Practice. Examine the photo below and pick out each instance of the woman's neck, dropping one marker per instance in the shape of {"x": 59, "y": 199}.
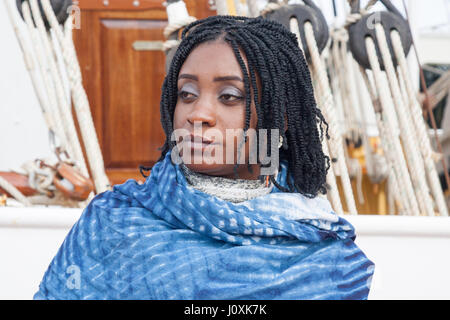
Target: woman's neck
{"x": 229, "y": 189}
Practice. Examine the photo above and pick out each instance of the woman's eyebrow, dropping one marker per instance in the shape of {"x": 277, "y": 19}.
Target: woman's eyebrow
{"x": 216, "y": 79}
{"x": 188, "y": 76}
{"x": 228, "y": 78}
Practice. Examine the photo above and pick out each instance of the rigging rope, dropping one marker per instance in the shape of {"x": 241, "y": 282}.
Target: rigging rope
{"x": 335, "y": 143}
{"x": 32, "y": 70}
{"x": 407, "y": 134}
{"x": 421, "y": 130}
{"x": 375, "y": 163}
{"x": 50, "y": 103}
{"x": 81, "y": 102}
{"x": 386, "y": 141}
{"x": 333, "y": 192}
{"x": 64, "y": 108}
{"x": 392, "y": 141}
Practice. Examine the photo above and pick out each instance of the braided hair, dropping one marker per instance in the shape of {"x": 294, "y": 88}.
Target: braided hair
{"x": 286, "y": 93}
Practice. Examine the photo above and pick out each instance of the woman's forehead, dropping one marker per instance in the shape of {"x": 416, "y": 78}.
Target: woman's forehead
{"x": 213, "y": 57}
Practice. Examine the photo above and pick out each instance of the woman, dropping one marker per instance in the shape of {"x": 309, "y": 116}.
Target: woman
{"x": 205, "y": 227}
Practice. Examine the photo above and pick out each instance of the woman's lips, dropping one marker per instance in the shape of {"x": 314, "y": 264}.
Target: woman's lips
{"x": 197, "y": 142}
{"x": 199, "y": 139}
{"x": 197, "y": 145}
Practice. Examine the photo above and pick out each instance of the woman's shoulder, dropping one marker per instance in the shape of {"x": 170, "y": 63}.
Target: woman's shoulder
{"x": 100, "y": 235}
{"x": 121, "y": 195}
{"x": 113, "y": 208}
{"x": 111, "y": 212}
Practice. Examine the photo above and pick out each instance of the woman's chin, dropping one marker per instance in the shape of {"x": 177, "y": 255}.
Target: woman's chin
{"x": 212, "y": 169}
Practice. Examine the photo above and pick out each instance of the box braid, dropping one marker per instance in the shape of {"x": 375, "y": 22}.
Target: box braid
{"x": 286, "y": 93}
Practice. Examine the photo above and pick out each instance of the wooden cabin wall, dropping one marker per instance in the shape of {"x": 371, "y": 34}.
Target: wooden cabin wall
{"x": 124, "y": 85}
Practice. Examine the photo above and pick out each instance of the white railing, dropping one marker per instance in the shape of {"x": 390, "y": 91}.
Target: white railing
{"x": 411, "y": 254}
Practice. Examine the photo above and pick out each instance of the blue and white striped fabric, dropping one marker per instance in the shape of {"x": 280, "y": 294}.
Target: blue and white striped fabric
{"x": 165, "y": 240}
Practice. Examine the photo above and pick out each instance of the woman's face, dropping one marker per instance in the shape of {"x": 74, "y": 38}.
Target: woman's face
{"x": 211, "y": 102}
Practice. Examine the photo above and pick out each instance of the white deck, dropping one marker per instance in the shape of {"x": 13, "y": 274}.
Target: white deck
{"x": 411, "y": 254}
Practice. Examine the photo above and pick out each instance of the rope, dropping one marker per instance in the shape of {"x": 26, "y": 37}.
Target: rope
{"x": 270, "y": 7}
{"x": 170, "y": 44}
{"x": 62, "y": 110}
{"x": 40, "y": 179}
{"x": 386, "y": 140}
{"x": 50, "y": 103}
{"x": 346, "y": 89}
{"x": 421, "y": 130}
{"x": 81, "y": 103}
{"x": 395, "y": 172}
{"x": 57, "y": 200}
{"x": 293, "y": 25}
{"x": 221, "y": 7}
{"x": 394, "y": 150}
{"x": 181, "y": 22}
{"x": 253, "y": 9}
{"x": 333, "y": 192}
{"x": 336, "y": 143}
{"x": 355, "y": 171}
{"x": 407, "y": 133}
{"x": 339, "y": 56}
{"x": 32, "y": 69}
{"x": 178, "y": 17}
{"x": 65, "y": 115}
{"x": 392, "y": 194}
{"x": 376, "y": 165}
{"x": 334, "y": 83}
{"x": 14, "y": 192}
{"x": 355, "y": 17}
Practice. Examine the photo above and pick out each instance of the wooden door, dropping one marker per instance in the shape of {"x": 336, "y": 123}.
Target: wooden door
{"x": 123, "y": 84}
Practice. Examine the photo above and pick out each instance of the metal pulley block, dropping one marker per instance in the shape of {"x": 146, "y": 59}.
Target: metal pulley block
{"x": 60, "y": 7}
{"x": 365, "y": 27}
{"x": 308, "y": 12}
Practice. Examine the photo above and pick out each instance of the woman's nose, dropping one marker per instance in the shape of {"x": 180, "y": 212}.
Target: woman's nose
{"x": 204, "y": 112}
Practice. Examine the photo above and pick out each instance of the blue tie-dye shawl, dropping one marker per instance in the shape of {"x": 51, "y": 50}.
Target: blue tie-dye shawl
{"x": 165, "y": 240}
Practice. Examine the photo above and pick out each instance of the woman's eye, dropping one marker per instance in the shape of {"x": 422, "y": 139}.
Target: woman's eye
{"x": 185, "y": 95}
{"x": 230, "y": 97}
